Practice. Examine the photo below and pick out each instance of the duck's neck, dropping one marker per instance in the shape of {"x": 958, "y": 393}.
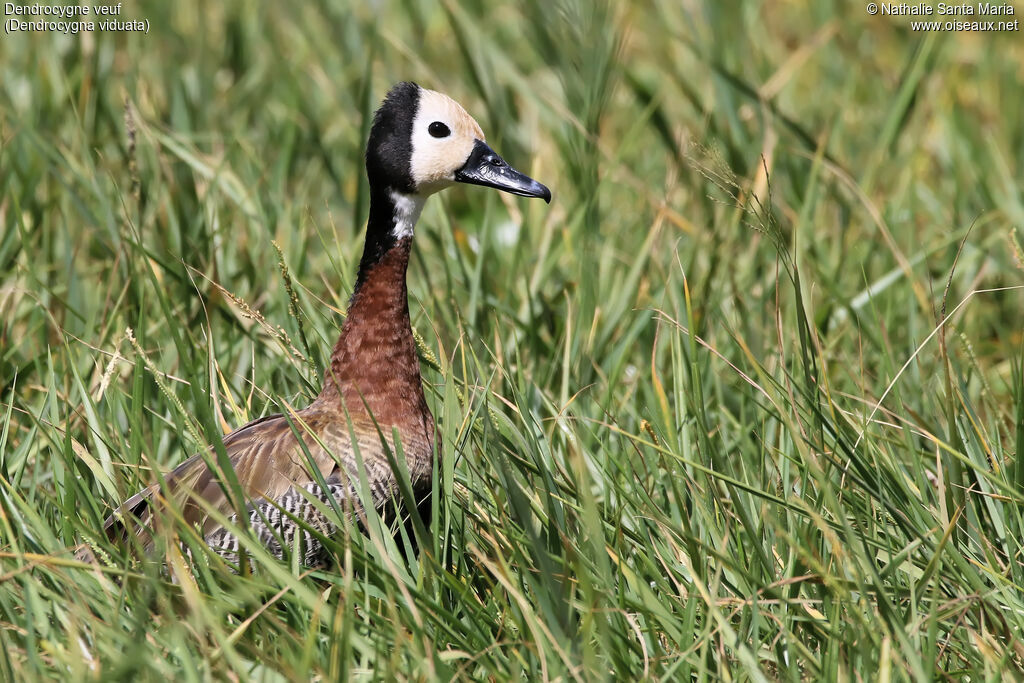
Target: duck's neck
{"x": 374, "y": 364}
{"x": 393, "y": 217}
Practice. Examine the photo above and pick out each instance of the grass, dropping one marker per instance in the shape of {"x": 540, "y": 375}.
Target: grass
{"x": 744, "y": 402}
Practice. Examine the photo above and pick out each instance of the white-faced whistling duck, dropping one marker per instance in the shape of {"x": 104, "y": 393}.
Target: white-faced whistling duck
{"x": 421, "y": 141}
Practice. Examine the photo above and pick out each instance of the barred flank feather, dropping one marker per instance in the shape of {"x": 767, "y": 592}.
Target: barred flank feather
{"x": 275, "y": 523}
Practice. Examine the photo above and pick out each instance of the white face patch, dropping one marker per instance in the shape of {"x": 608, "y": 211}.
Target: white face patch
{"x": 436, "y": 159}
{"x": 407, "y": 212}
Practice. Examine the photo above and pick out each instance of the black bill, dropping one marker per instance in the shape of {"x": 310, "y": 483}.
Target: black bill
{"x": 485, "y": 167}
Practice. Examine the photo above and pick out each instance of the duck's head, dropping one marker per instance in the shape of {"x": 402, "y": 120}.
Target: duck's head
{"x": 423, "y": 141}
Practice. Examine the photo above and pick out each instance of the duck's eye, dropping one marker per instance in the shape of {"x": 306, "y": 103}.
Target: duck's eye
{"x": 438, "y": 130}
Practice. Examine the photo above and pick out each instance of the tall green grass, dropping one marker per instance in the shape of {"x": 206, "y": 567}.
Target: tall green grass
{"x": 744, "y": 402}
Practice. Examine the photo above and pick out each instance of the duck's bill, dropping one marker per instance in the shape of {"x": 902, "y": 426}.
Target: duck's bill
{"x": 485, "y": 167}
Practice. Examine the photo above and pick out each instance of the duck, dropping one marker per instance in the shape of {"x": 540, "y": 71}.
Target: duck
{"x": 420, "y": 142}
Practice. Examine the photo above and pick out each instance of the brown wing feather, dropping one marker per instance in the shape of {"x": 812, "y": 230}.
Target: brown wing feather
{"x": 267, "y": 459}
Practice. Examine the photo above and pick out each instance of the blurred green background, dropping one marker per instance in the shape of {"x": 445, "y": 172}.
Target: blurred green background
{"x": 743, "y": 402}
